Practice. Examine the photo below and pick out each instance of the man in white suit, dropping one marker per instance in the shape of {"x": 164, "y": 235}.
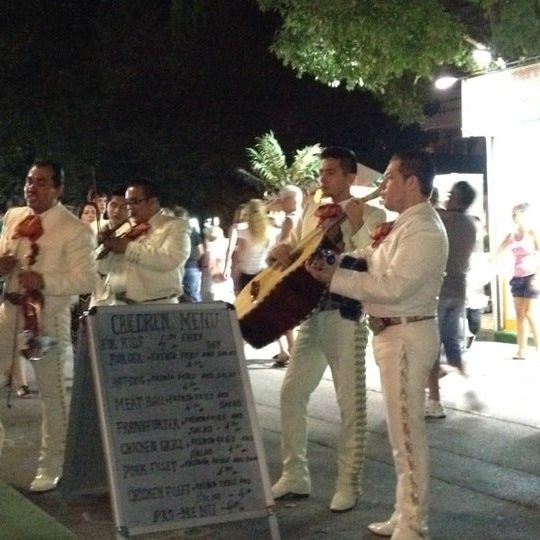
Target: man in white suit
{"x": 46, "y": 253}
{"x": 326, "y": 339}
{"x": 144, "y": 265}
{"x": 399, "y": 290}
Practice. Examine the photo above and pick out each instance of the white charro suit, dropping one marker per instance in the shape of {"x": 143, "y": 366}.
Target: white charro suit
{"x": 403, "y": 279}
{"x": 151, "y": 269}
{"x": 67, "y": 264}
{"x": 326, "y": 339}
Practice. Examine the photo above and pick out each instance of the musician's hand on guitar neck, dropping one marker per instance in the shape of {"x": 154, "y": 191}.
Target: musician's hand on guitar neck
{"x": 355, "y": 213}
{"x": 320, "y": 269}
{"x": 280, "y": 254}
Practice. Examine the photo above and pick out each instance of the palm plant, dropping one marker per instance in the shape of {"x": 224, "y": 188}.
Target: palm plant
{"x": 269, "y": 162}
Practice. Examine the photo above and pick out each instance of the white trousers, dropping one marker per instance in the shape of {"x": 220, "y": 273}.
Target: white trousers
{"x": 405, "y": 354}
{"x": 326, "y": 339}
{"x": 49, "y": 376}
{"x": 2, "y": 437}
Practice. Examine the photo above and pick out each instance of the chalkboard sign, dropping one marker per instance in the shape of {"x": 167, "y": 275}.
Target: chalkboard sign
{"x": 179, "y": 428}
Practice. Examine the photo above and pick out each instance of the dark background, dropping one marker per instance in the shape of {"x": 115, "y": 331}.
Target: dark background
{"x": 121, "y": 89}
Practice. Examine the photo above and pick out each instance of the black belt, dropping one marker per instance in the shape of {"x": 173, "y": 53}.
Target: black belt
{"x": 378, "y": 324}
{"x": 121, "y": 297}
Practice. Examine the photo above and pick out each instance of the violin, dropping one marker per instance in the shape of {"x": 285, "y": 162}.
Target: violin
{"x": 108, "y": 232}
{"x": 31, "y": 301}
{"x": 132, "y": 234}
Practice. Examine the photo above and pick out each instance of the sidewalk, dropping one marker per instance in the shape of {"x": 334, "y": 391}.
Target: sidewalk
{"x": 485, "y": 459}
{"x": 496, "y": 385}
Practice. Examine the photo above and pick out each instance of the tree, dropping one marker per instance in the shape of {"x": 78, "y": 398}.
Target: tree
{"x": 394, "y": 48}
{"x": 269, "y": 162}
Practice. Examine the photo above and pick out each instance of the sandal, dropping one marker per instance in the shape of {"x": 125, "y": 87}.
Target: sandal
{"x": 280, "y": 360}
{"x": 23, "y": 391}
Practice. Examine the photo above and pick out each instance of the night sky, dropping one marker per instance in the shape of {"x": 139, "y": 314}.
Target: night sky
{"x": 115, "y": 87}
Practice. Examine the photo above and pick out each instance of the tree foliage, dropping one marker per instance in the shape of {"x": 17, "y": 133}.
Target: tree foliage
{"x": 389, "y": 46}
{"x": 269, "y": 162}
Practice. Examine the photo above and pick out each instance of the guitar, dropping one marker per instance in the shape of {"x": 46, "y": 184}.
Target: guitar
{"x": 279, "y": 298}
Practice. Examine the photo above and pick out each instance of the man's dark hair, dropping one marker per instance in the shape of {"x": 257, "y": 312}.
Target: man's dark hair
{"x": 346, "y": 157}
{"x": 466, "y": 193}
{"x": 150, "y": 189}
{"x": 58, "y": 172}
{"x": 419, "y": 164}
{"x": 117, "y": 192}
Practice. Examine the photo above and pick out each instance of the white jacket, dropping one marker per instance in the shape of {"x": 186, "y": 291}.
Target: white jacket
{"x": 152, "y": 265}
{"x": 405, "y": 271}
{"x": 66, "y": 255}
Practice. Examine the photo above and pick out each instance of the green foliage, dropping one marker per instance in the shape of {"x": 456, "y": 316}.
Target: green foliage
{"x": 366, "y": 44}
{"x": 390, "y": 44}
{"x": 515, "y": 27}
{"x": 269, "y": 162}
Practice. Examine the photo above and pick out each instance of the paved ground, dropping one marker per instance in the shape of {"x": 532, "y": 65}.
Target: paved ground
{"x": 485, "y": 458}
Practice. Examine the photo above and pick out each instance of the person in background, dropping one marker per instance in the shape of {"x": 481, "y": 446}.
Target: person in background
{"x": 230, "y": 267}
{"x": 193, "y": 268}
{"x": 290, "y": 203}
{"x": 435, "y": 199}
{"x": 146, "y": 265}
{"x": 87, "y": 213}
{"x": 215, "y": 286}
{"x": 398, "y": 279}
{"x": 98, "y": 199}
{"x": 461, "y": 231}
{"x": 254, "y": 242}
{"x": 477, "y": 301}
{"x": 326, "y": 339}
{"x": 46, "y": 256}
{"x": 117, "y": 225}
{"x": 524, "y": 244}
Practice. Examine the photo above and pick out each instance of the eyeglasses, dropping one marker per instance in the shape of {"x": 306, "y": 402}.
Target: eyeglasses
{"x": 135, "y": 202}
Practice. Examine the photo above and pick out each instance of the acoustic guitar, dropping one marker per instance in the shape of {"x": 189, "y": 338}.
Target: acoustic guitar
{"x": 279, "y": 298}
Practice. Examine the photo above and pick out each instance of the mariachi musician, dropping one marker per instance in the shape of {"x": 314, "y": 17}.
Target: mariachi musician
{"x": 327, "y": 339}
{"x": 144, "y": 265}
{"x": 116, "y": 224}
{"x": 404, "y": 269}
{"x": 47, "y": 257}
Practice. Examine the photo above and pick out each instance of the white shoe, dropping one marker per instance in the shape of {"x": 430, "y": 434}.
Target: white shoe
{"x": 44, "y": 481}
{"x": 434, "y": 409}
{"x": 344, "y": 499}
{"x": 383, "y": 528}
{"x": 287, "y": 488}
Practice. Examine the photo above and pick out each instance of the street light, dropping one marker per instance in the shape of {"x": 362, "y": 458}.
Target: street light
{"x": 445, "y": 82}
